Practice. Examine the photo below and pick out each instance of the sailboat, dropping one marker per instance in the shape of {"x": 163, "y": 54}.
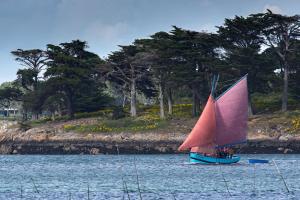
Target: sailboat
{"x": 222, "y": 124}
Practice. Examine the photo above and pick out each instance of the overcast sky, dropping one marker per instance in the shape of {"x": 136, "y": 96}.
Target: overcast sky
{"x": 104, "y": 24}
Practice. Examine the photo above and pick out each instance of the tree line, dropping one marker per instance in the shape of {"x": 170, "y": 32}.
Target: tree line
{"x": 67, "y": 78}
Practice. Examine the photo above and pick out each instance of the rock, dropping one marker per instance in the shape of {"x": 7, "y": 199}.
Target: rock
{"x": 290, "y": 136}
{"x": 89, "y": 136}
{"x": 5, "y": 149}
{"x": 259, "y": 131}
{"x": 280, "y": 149}
{"x": 287, "y": 151}
{"x": 94, "y": 151}
{"x": 2, "y": 138}
{"x": 283, "y": 138}
{"x": 161, "y": 149}
{"x": 15, "y": 151}
{"x": 67, "y": 148}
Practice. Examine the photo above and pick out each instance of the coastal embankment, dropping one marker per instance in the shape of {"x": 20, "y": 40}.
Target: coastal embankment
{"x": 267, "y": 134}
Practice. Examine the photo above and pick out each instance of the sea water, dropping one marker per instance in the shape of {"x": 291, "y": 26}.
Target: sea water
{"x": 145, "y": 177}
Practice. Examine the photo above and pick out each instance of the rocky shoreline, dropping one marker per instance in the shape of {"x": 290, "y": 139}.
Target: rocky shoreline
{"x": 129, "y": 147}
{"x": 52, "y": 139}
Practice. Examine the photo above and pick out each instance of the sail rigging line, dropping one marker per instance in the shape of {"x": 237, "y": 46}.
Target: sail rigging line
{"x": 214, "y": 85}
{"x": 231, "y": 87}
{"x": 282, "y": 178}
{"x": 230, "y": 83}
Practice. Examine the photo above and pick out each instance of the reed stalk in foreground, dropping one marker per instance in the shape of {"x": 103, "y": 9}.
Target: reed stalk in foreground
{"x": 125, "y": 188}
{"x": 254, "y": 178}
{"x": 21, "y": 190}
{"x": 225, "y": 181}
{"x": 278, "y": 171}
{"x": 88, "y": 192}
{"x": 137, "y": 179}
{"x": 35, "y": 188}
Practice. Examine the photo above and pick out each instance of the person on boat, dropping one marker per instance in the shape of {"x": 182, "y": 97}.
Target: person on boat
{"x": 226, "y": 152}
{"x": 230, "y": 152}
{"x": 220, "y": 153}
{"x": 206, "y": 151}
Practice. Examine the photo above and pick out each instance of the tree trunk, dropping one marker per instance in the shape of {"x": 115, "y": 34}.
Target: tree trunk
{"x": 52, "y": 116}
{"x": 196, "y": 105}
{"x": 35, "y": 116}
{"x": 285, "y": 88}
{"x": 170, "y": 103}
{"x": 59, "y": 110}
{"x": 124, "y": 101}
{"x": 161, "y": 101}
{"x": 70, "y": 109}
{"x": 133, "y": 98}
{"x": 24, "y": 115}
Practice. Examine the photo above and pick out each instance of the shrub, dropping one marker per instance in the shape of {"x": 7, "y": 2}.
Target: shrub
{"x": 118, "y": 112}
{"x": 296, "y": 124}
{"x": 24, "y": 126}
{"x": 266, "y": 102}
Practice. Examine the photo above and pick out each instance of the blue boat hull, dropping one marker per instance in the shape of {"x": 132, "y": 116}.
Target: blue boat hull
{"x": 201, "y": 159}
{"x": 254, "y": 161}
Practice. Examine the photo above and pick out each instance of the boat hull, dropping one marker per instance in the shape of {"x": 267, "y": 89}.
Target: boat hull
{"x": 201, "y": 159}
{"x": 254, "y": 161}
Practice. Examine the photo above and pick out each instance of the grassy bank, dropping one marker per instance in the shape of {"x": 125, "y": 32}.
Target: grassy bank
{"x": 271, "y": 124}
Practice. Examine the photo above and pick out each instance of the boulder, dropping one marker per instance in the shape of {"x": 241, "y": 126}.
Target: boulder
{"x": 280, "y": 149}
{"x": 94, "y": 151}
{"x": 287, "y": 151}
{"x": 283, "y": 138}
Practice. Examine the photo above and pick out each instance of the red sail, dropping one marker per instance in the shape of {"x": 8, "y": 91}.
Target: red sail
{"x": 232, "y": 114}
{"x": 203, "y": 134}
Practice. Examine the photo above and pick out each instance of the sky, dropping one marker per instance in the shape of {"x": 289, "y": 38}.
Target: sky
{"x": 105, "y": 24}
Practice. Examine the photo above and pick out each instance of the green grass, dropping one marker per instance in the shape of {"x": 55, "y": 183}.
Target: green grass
{"x": 143, "y": 123}
{"x": 270, "y": 103}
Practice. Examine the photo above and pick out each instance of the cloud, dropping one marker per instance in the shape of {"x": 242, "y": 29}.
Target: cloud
{"x": 275, "y": 9}
{"x": 108, "y": 32}
{"x": 104, "y": 38}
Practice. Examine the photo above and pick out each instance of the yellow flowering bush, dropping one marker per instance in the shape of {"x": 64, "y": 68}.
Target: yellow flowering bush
{"x": 142, "y": 123}
{"x": 149, "y": 118}
{"x": 182, "y": 110}
{"x": 296, "y": 124}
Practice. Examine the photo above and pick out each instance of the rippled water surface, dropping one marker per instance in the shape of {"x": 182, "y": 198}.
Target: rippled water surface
{"x": 159, "y": 177}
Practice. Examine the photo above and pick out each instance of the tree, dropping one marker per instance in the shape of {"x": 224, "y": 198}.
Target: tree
{"x": 242, "y": 42}
{"x": 72, "y": 72}
{"x": 294, "y": 75}
{"x": 129, "y": 68}
{"x": 34, "y": 61}
{"x": 279, "y": 32}
{"x": 195, "y": 58}
{"x": 159, "y": 48}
